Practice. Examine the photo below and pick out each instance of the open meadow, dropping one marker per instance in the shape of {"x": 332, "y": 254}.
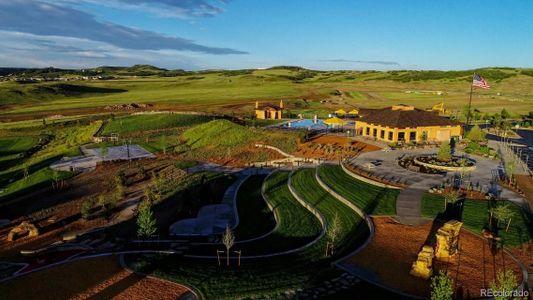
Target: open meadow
{"x": 305, "y": 91}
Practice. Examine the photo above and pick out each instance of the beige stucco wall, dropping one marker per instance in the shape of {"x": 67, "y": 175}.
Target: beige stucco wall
{"x": 431, "y": 131}
{"x": 262, "y": 114}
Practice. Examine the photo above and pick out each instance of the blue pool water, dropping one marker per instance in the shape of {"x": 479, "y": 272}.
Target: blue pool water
{"x": 306, "y": 123}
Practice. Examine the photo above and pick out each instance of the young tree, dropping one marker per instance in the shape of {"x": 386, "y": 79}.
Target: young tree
{"x": 506, "y": 282}
{"x": 445, "y": 152}
{"x": 149, "y": 195}
{"x": 476, "y": 134}
{"x": 86, "y": 207}
{"x": 502, "y": 213}
{"x": 451, "y": 197}
{"x": 505, "y": 114}
{"x": 101, "y": 201}
{"x": 141, "y": 172}
{"x": 228, "y": 239}
{"x": 103, "y": 150}
{"x": 441, "y": 287}
{"x": 466, "y": 111}
{"x": 510, "y": 166}
{"x": 145, "y": 220}
{"x": 333, "y": 233}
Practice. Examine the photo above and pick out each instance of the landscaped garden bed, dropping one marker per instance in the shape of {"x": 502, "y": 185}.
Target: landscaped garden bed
{"x": 409, "y": 163}
{"x": 395, "y": 246}
{"x": 476, "y": 216}
{"x": 283, "y": 276}
{"x": 455, "y": 164}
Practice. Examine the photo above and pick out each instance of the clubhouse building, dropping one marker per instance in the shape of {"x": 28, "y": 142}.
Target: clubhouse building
{"x": 268, "y": 111}
{"x": 402, "y": 123}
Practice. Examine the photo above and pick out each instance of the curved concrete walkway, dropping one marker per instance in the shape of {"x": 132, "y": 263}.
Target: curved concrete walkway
{"x": 409, "y": 201}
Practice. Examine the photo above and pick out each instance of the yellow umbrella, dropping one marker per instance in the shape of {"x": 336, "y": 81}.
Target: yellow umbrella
{"x": 335, "y": 121}
{"x": 353, "y": 112}
{"x": 340, "y": 112}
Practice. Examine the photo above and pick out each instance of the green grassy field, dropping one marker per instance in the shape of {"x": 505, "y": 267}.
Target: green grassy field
{"x": 354, "y": 229}
{"x": 138, "y": 123}
{"x": 296, "y": 225}
{"x": 475, "y": 215}
{"x": 371, "y": 199}
{"x": 227, "y": 92}
{"x": 11, "y": 147}
{"x": 255, "y": 218}
{"x": 65, "y": 142}
{"x": 224, "y": 139}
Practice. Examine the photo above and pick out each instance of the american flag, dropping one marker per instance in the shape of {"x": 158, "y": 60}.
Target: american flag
{"x": 480, "y": 82}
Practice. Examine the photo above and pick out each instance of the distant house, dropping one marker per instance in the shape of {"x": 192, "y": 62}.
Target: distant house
{"x": 402, "y": 123}
{"x": 268, "y": 111}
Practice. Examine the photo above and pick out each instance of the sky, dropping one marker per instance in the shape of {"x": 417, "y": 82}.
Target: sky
{"x": 238, "y": 34}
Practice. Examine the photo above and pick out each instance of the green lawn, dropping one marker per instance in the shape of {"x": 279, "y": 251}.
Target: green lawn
{"x": 296, "y": 225}
{"x": 16, "y": 144}
{"x": 475, "y": 215}
{"x": 12, "y": 146}
{"x": 353, "y": 228}
{"x": 255, "y": 218}
{"x": 372, "y": 199}
{"x": 269, "y": 277}
{"x": 66, "y": 142}
{"x": 138, "y": 123}
{"x": 224, "y": 139}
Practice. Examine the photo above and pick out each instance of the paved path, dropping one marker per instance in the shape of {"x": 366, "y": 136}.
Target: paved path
{"x": 409, "y": 200}
{"x": 408, "y": 206}
{"x": 213, "y": 219}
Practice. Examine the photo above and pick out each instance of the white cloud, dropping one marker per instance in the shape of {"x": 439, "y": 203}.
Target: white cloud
{"x": 47, "y": 19}
{"x": 28, "y": 50}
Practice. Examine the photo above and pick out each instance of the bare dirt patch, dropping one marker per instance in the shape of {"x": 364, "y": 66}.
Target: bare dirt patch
{"x": 97, "y": 278}
{"x": 395, "y": 247}
{"x": 56, "y": 213}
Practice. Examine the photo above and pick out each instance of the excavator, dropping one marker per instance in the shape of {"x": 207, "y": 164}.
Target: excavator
{"x": 438, "y": 108}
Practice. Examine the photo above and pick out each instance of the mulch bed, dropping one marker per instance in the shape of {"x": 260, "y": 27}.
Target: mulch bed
{"x": 97, "y": 278}
{"x": 395, "y": 247}
{"x": 332, "y": 147}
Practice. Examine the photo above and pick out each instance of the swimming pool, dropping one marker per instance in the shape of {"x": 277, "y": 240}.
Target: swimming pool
{"x": 306, "y": 123}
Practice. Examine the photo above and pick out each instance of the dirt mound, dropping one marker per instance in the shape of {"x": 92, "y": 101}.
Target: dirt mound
{"x": 132, "y": 106}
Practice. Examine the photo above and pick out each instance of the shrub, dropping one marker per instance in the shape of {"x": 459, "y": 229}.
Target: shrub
{"x": 445, "y": 153}
{"x": 86, "y": 207}
{"x": 441, "y": 287}
{"x": 476, "y": 134}
{"x": 506, "y": 282}
{"x": 145, "y": 220}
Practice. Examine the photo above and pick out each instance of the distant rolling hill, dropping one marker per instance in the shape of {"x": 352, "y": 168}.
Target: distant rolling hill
{"x": 235, "y": 91}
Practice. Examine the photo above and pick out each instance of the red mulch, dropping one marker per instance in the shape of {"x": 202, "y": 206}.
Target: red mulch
{"x": 395, "y": 247}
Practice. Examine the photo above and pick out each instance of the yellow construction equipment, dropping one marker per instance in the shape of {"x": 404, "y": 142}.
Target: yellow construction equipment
{"x": 438, "y": 108}
{"x": 423, "y": 266}
{"x": 448, "y": 240}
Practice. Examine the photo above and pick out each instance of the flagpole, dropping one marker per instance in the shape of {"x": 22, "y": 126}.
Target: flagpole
{"x": 470, "y": 101}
